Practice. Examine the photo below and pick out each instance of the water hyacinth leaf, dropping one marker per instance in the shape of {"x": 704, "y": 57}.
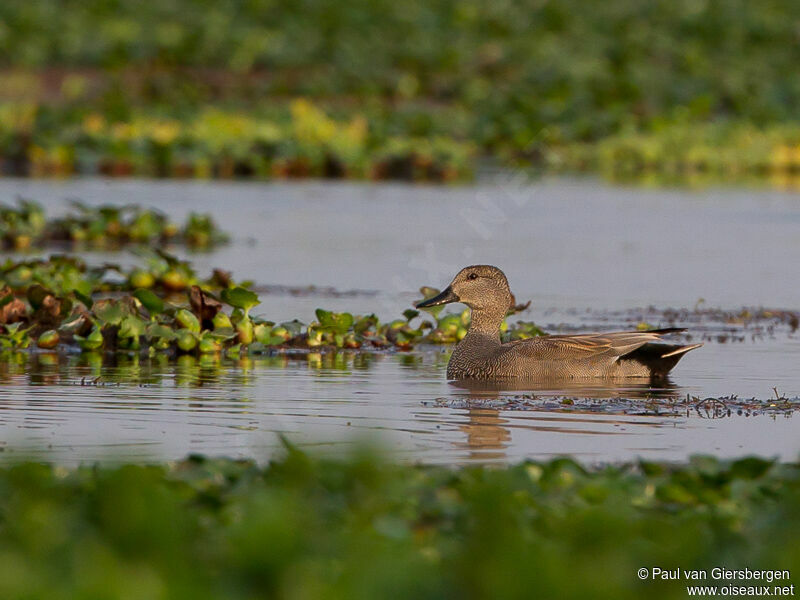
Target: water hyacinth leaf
{"x": 154, "y": 331}
{"x": 365, "y": 323}
{"x": 263, "y": 334}
{"x": 15, "y": 336}
{"x": 294, "y": 327}
{"x": 245, "y": 330}
{"x": 150, "y": 301}
{"x": 85, "y": 299}
{"x": 281, "y": 332}
{"x": 209, "y": 344}
{"x": 187, "y": 340}
{"x": 170, "y": 259}
{"x": 93, "y": 341}
{"x": 410, "y": 313}
{"x": 75, "y": 325}
{"x": 429, "y": 292}
{"x": 131, "y": 326}
{"x": 334, "y": 322}
{"x": 36, "y": 295}
{"x": 221, "y": 321}
{"x": 238, "y": 297}
{"x": 188, "y": 320}
{"x": 139, "y": 278}
{"x": 220, "y": 336}
{"x": 751, "y": 467}
{"x": 48, "y": 339}
{"x": 83, "y": 285}
{"x": 109, "y": 312}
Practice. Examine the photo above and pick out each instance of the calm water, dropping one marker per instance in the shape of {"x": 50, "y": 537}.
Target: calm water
{"x": 584, "y": 253}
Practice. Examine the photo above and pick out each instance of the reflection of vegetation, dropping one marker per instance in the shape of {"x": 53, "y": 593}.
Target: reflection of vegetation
{"x": 55, "y": 302}
{"x": 105, "y": 226}
{"x": 358, "y": 527}
{"x": 101, "y": 369}
{"x": 180, "y": 87}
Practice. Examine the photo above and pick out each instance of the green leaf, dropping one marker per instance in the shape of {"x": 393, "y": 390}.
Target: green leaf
{"x": 91, "y": 342}
{"x": 86, "y": 299}
{"x": 37, "y": 294}
{"x": 410, "y": 313}
{"x": 188, "y": 320}
{"x": 334, "y": 322}
{"x": 156, "y": 331}
{"x": 429, "y": 292}
{"x": 751, "y": 467}
{"x": 131, "y": 326}
{"x": 110, "y": 312}
{"x": 294, "y": 327}
{"x": 150, "y": 301}
{"x": 365, "y": 323}
{"x": 239, "y": 297}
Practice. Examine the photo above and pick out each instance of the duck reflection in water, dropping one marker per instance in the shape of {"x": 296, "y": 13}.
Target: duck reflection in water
{"x": 488, "y": 432}
{"x": 487, "y": 438}
{"x": 491, "y": 391}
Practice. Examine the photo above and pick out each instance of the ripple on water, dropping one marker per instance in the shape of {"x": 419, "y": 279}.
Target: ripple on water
{"x": 69, "y": 410}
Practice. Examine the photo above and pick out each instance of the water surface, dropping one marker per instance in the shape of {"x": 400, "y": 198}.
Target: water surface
{"x": 584, "y": 253}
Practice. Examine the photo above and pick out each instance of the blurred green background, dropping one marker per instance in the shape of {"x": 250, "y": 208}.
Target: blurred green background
{"x": 307, "y": 527}
{"x": 412, "y": 90}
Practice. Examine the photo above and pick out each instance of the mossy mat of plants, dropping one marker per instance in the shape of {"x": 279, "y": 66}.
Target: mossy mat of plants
{"x": 365, "y": 527}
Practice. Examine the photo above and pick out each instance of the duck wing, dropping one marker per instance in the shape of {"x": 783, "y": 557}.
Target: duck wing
{"x": 587, "y": 346}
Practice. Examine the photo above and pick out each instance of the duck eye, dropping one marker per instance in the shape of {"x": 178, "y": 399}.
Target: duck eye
{"x": 472, "y": 276}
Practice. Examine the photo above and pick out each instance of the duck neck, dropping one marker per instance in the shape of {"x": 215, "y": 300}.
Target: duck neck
{"x": 486, "y": 324}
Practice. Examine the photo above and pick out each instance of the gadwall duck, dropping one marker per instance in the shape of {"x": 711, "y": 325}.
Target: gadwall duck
{"x": 481, "y": 354}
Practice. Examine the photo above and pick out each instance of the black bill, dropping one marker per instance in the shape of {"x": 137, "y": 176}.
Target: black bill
{"x": 447, "y": 296}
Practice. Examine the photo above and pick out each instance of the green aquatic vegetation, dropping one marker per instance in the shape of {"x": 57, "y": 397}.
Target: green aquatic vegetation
{"x": 92, "y": 341}
{"x": 15, "y": 337}
{"x": 48, "y": 339}
{"x": 63, "y": 302}
{"x": 107, "y": 226}
{"x": 242, "y": 300}
{"x": 361, "y": 524}
{"x": 692, "y": 151}
{"x": 186, "y": 89}
{"x": 153, "y": 303}
{"x": 300, "y": 141}
{"x": 20, "y": 226}
{"x": 64, "y": 275}
{"x": 523, "y": 330}
{"x": 59, "y": 273}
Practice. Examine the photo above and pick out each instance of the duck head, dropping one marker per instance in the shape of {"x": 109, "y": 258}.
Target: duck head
{"x": 481, "y": 287}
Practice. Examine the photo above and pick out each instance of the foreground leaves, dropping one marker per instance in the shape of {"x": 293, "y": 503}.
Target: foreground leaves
{"x": 363, "y": 527}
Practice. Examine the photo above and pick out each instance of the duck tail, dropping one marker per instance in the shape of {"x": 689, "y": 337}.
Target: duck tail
{"x": 659, "y": 359}
{"x": 680, "y": 350}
